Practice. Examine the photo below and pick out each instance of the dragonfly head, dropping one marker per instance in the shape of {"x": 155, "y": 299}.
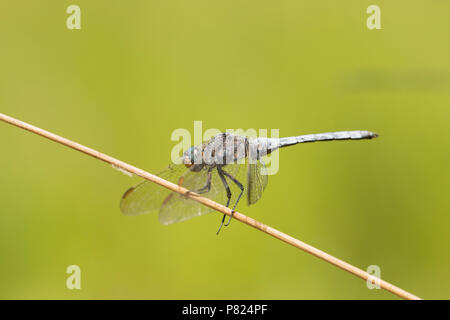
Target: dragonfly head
{"x": 192, "y": 158}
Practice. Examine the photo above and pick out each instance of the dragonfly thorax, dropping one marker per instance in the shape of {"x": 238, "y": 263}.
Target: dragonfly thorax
{"x": 221, "y": 150}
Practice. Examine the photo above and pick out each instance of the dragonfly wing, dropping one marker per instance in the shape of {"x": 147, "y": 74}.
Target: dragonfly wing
{"x": 147, "y": 197}
{"x": 177, "y": 207}
{"x": 256, "y": 181}
{"x": 253, "y": 176}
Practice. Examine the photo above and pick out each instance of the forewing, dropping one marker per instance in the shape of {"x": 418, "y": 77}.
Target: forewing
{"x": 177, "y": 207}
{"x": 147, "y": 196}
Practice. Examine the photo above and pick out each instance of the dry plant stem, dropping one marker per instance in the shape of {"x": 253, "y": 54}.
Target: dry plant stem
{"x": 214, "y": 205}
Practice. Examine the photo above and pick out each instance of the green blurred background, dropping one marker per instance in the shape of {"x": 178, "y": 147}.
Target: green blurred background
{"x": 137, "y": 70}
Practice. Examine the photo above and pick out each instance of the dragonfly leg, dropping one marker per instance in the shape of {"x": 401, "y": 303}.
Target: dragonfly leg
{"x": 227, "y": 188}
{"x": 238, "y": 198}
{"x": 207, "y": 187}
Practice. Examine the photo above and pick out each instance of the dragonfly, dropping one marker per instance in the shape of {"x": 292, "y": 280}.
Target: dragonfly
{"x": 226, "y": 169}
